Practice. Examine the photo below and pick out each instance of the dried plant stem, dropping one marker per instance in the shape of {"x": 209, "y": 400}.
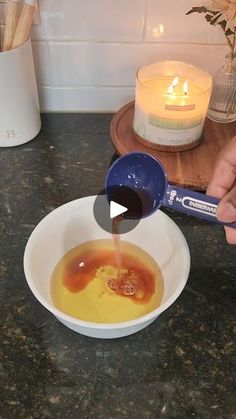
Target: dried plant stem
{"x": 233, "y": 46}
{"x": 228, "y": 41}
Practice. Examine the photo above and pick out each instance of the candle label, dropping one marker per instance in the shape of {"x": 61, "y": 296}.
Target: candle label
{"x": 180, "y": 108}
{"x": 175, "y": 124}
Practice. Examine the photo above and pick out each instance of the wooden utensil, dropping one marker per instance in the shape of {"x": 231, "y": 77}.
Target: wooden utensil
{"x": 0, "y": 27}
{"x": 25, "y": 22}
{"x": 0, "y": 32}
{"x": 11, "y": 23}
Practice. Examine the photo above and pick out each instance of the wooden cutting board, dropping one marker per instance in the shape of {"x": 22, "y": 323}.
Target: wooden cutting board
{"x": 192, "y": 168}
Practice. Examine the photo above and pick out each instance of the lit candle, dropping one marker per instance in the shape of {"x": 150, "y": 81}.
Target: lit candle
{"x": 171, "y": 103}
{"x": 185, "y": 88}
{"x": 175, "y": 81}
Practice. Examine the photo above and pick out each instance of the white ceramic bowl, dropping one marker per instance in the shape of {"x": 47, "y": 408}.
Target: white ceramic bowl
{"x": 74, "y": 223}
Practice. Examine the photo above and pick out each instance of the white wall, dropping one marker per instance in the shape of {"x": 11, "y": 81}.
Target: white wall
{"x": 88, "y": 51}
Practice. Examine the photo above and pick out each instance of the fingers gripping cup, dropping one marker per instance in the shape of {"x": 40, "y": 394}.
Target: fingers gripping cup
{"x": 146, "y": 176}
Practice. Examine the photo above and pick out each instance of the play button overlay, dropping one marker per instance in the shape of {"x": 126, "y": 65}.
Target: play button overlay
{"x": 116, "y": 209}
{"x": 119, "y": 202}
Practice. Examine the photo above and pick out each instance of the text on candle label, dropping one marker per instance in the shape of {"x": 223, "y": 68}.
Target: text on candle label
{"x": 174, "y": 124}
{"x": 180, "y": 108}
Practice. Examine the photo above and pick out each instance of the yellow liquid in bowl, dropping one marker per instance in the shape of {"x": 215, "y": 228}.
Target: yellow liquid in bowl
{"x": 85, "y": 283}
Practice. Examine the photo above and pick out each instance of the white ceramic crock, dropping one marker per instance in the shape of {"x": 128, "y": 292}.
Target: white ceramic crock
{"x": 19, "y": 105}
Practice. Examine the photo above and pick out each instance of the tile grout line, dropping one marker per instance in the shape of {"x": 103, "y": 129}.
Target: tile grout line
{"x": 119, "y": 43}
{"x": 145, "y": 21}
{"x": 86, "y": 86}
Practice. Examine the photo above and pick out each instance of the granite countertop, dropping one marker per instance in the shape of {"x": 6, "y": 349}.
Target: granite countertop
{"x": 181, "y": 366}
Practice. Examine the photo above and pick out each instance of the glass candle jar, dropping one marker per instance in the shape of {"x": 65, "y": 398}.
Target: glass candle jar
{"x": 171, "y": 103}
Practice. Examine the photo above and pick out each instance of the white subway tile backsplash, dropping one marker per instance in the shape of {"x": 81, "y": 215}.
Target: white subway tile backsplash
{"x": 87, "y": 53}
{"x": 86, "y": 64}
{"x": 93, "y": 20}
{"x": 93, "y": 99}
{"x": 107, "y": 87}
{"x": 91, "y": 64}
{"x": 43, "y": 61}
{"x": 167, "y": 22}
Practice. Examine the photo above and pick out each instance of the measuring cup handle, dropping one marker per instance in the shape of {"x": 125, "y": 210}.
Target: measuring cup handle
{"x": 193, "y": 203}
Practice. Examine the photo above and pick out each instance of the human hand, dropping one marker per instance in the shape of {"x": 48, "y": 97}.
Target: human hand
{"x": 223, "y": 186}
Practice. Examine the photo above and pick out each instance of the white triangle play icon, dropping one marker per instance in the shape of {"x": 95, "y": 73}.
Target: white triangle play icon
{"x": 116, "y": 209}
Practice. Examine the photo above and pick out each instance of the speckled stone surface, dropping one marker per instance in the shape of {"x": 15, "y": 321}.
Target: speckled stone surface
{"x": 182, "y": 366}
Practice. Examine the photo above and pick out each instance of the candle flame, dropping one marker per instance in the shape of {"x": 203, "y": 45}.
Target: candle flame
{"x": 185, "y": 87}
{"x": 161, "y": 29}
{"x": 175, "y": 81}
{"x": 170, "y": 89}
{"x": 172, "y": 86}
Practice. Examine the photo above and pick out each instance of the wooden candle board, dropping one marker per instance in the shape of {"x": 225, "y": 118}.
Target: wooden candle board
{"x": 192, "y": 168}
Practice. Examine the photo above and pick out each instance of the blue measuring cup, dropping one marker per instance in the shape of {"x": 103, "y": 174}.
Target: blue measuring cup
{"x": 144, "y": 174}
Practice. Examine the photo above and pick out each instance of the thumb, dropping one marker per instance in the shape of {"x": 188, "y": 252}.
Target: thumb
{"x": 226, "y": 210}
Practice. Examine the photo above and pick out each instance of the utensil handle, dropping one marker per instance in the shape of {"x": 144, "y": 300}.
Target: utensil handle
{"x": 25, "y": 22}
{"x": 193, "y": 203}
{"x": 11, "y": 23}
